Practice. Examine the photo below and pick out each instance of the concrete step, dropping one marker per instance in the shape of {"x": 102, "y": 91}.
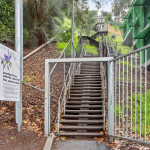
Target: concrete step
{"x": 86, "y": 75}
{"x": 86, "y": 85}
{"x": 91, "y": 63}
{"x": 90, "y": 67}
{"x": 74, "y": 134}
{"x": 82, "y": 116}
{"x": 84, "y": 102}
{"x": 83, "y": 111}
{"x": 87, "y": 82}
{"x": 90, "y": 79}
{"x": 88, "y": 72}
{"x": 86, "y": 94}
{"x": 91, "y": 128}
{"x": 81, "y": 106}
{"x": 81, "y": 121}
{"x": 85, "y": 88}
{"x": 85, "y": 98}
{"x": 91, "y": 70}
{"x": 85, "y": 91}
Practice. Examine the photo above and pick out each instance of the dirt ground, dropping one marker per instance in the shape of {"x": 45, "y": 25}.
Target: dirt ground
{"x": 111, "y": 30}
{"x": 32, "y": 132}
{"x": 10, "y": 139}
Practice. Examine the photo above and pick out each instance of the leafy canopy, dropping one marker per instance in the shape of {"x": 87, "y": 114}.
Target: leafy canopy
{"x": 7, "y": 13}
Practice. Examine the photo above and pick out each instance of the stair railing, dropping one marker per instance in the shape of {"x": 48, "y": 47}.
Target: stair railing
{"x": 129, "y": 110}
{"x": 106, "y": 43}
{"x": 74, "y": 69}
{"x": 103, "y": 68}
{"x": 111, "y": 43}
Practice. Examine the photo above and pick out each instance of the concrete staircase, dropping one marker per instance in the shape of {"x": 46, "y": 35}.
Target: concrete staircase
{"x": 83, "y": 116}
{"x": 92, "y": 41}
{"x": 112, "y": 53}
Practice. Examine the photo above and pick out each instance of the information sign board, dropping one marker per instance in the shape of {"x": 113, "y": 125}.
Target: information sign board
{"x": 9, "y": 74}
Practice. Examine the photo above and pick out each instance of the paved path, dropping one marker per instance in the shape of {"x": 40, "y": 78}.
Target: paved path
{"x": 79, "y": 145}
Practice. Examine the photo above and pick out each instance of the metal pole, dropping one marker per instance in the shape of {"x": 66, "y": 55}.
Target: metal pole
{"x": 47, "y": 98}
{"x": 140, "y": 92}
{"x": 72, "y": 32}
{"x": 111, "y": 100}
{"x": 21, "y": 54}
{"x": 19, "y": 49}
{"x": 145, "y": 93}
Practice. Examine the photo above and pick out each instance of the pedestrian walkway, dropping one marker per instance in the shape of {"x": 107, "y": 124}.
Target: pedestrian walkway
{"x": 79, "y": 145}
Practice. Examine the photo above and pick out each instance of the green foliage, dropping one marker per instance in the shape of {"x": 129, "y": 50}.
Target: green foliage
{"x": 66, "y": 35}
{"x": 12, "y": 138}
{"x": 91, "y": 49}
{"x": 7, "y": 25}
{"x": 42, "y": 19}
{"x": 25, "y": 37}
{"x": 28, "y": 79}
{"x": 113, "y": 36}
{"x": 119, "y": 7}
{"x": 91, "y": 19}
{"x": 66, "y": 30}
{"x": 84, "y": 19}
{"x": 116, "y": 27}
{"x": 107, "y": 16}
{"x": 121, "y": 48}
{"x": 129, "y": 64}
{"x": 62, "y": 45}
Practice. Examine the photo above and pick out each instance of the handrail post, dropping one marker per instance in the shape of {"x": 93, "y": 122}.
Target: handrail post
{"x": 64, "y": 68}
{"x": 69, "y": 83}
{"x": 72, "y": 31}
{"x": 116, "y": 50}
{"x": 85, "y": 51}
{"x": 73, "y": 72}
{"x": 64, "y": 96}
{"x": 58, "y": 116}
{"x": 110, "y": 99}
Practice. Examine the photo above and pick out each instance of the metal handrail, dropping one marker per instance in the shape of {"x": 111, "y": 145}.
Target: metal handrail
{"x": 103, "y": 79}
{"x": 37, "y": 49}
{"x": 60, "y": 57}
{"x": 133, "y": 52}
{"x": 107, "y": 47}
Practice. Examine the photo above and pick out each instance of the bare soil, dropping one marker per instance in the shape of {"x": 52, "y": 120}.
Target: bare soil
{"x": 111, "y": 30}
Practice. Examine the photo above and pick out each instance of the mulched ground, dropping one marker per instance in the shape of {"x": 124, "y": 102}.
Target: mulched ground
{"x": 32, "y": 134}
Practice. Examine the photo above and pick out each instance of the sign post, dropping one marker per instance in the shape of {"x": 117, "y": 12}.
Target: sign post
{"x": 11, "y": 66}
{"x": 19, "y": 49}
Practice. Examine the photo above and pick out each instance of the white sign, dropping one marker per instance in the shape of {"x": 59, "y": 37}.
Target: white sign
{"x": 9, "y": 74}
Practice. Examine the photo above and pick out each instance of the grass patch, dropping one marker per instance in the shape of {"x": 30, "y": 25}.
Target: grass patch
{"x": 91, "y": 49}
{"x": 116, "y": 27}
{"x": 137, "y": 112}
{"x": 122, "y": 49}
